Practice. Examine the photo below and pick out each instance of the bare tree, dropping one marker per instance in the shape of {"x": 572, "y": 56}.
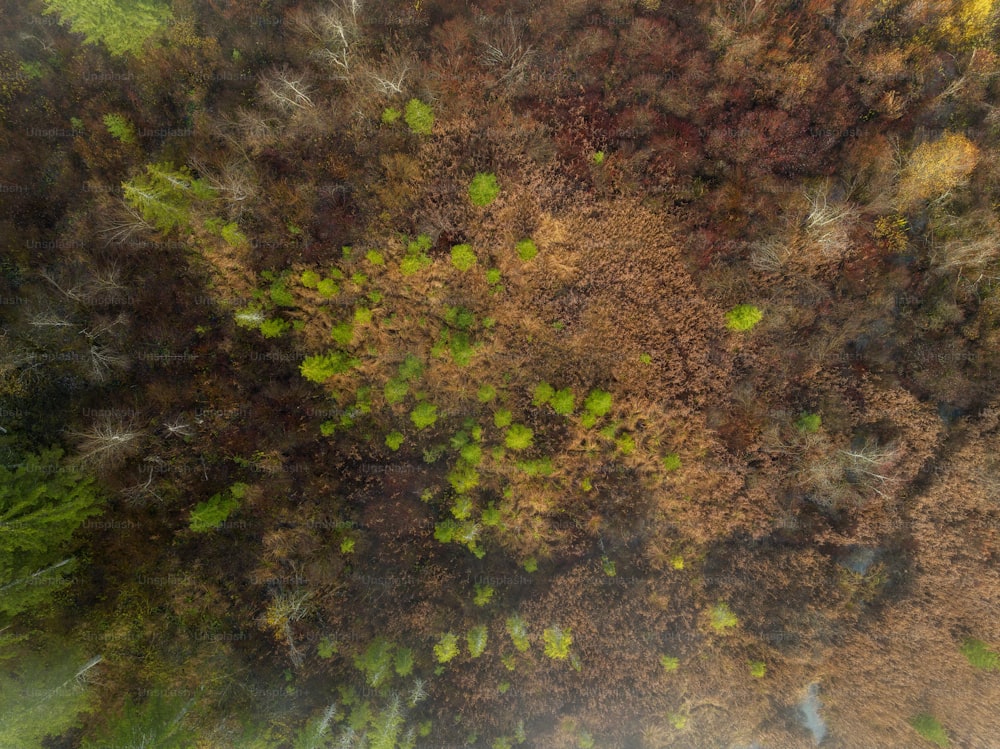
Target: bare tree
{"x": 286, "y": 90}
{"x": 107, "y": 442}
{"x": 125, "y": 224}
{"x": 389, "y": 81}
{"x": 287, "y": 607}
{"x": 508, "y": 53}
{"x": 335, "y": 32}
{"x": 828, "y": 222}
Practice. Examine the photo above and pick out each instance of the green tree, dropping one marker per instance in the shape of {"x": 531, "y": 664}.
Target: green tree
{"x": 743, "y": 317}
{"x": 979, "y": 654}
{"x": 42, "y": 502}
{"x": 211, "y": 513}
{"x": 164, "y": 195}
{"x": 43, "y": 695}
{"x": 484, "y": 189}
{"x": 446, "y": 648}
{"x": 158, "y": 722}
{"x": 122, "y": 25}
{"x": 419, "y": 117}
{"x": 931, "y": 729}
{"x": 519, "y": 437}
{"x": 557, "y": 642}
{"x": 120, "y": 127}
{"x": 463, "y": 257}
{"x": 477, "y": 638}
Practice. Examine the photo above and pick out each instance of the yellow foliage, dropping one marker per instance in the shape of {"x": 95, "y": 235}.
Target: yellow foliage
{"x": 936, "y": 168}
{"x": 971, "y": 24}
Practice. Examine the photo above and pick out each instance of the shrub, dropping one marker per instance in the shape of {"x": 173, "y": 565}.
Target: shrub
{"x": 557, "y": 642}
{"x": 484, "y": 594}
{"x": 416, "y": 258}
{"x": 743, "y": 317}
{"x": 540, "y": 467}
{"x": 463, "y": 478}
{"x": 471, "y": 454}
{"x": 519, "y": 437}
{"x": 280, "y": 295}
{"x": 120, "y": 127}
{"x": 273, "y": 328}
{"x": 444, "y": 531}
{"x": 722, "y": 618}
{"x": 423, "y": 415}
{"x": 328, "y": 288}
{"x": 411, "y": 368}
{"x": 929, "y": 728}
{"x": 808, "y": 423}
{"x": 322, "y": 367}
{"x": 343, "y": 333}
{"x": 490, "y": 516}
{"x": 671, "y": 462}
{"x": 462, "y": 257}
{"x": 483, "y": 189}
{"x": 563, "y": 402}
{"x": 211, "y": 513}
{"x": 395, "y": 391}
{"x": 476, "y": 639}
{"x": 376, "y": 662}
{"x": 526, "y": 249}
{"x": 517, "y": 628}
{"x": 393, "y": 440}
{"x": 598, "y": 403}
{"x": 978, "y": 653}
{"x": 419, "y": 117}
{"x": 404, "y": 661}
{"x": 446, "y": 648}
{"x": 543, "y": 393}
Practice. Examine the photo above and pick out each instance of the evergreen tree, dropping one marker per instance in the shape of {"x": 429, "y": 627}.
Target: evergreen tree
{"x": 164, "y": 195}
{"x": 123, "y": 25}
{"x": 156, "y": 724}
{"x": 41, "y": 695}
{"x": 42, "y": 503}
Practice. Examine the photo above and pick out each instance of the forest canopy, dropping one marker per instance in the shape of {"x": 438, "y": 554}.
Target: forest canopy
{"x": 563, "y": 374}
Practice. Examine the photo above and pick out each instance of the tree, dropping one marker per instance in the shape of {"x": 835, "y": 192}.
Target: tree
{"x": 419, "y": 117}
{"x": 158, "y": 722}
{"x": 42, "y": 503}
{"x": 935, "y": 169}
{"x": 42, "y": 696}
{"x": 164, "y": 196}
{"x": 122, "y": 25}
{"x": 557, "y": 642}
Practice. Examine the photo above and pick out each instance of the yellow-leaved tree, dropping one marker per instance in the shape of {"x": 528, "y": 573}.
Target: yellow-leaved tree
{"x": 936, "y": 168}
